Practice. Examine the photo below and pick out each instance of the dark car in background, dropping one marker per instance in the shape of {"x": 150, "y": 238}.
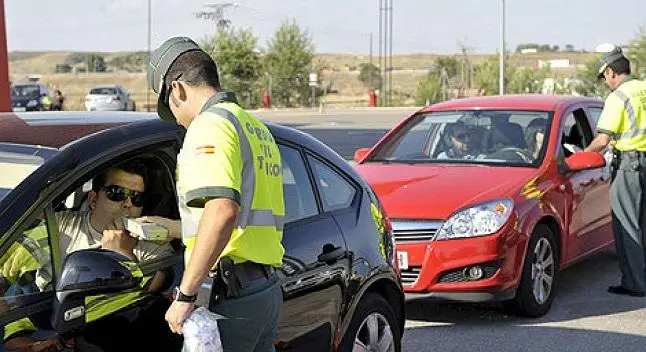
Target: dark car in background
{"x": 30, "y": 97}
{"x": 339, "y": 277}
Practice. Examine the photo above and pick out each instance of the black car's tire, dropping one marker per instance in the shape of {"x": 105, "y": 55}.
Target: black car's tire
{"x": 540, "y": 271}
{"x": 372, "y": 309}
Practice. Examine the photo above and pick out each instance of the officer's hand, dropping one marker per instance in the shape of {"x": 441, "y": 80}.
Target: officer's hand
{"x": 119, "y": 241}
{"x": 174, "y": 226}
{"x": 53, "y": 344}
{"x": 177, "y": 315}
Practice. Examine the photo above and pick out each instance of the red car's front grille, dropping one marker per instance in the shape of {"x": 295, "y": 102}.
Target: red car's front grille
{"x": 415, "y": 230}
{"x": 410, "y": 275}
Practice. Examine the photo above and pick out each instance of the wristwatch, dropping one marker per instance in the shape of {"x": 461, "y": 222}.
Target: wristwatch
{"x": 181, "y": 297}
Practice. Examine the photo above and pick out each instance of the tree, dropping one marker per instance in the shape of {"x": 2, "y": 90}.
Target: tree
{"x": 486, "y": 75}
{"x": 289, "y": 62}
{"x": 429, "y": 90}
{"x": 239, "y": 64}
{"x": 637, "y": 53}
{"x": 517, "y": 80}
{"x": 569, "y": 48}
{"x": 369, "y": 76}
{"x": 586, "y": 82}
{"x": 96, "y": 63}
{"x": 448, "y": 63}
{"x": 527, "y": 80}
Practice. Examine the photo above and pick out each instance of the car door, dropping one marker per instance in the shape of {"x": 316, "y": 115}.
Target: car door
{"x": 589, "y": 218}
{"x": 26, "y": 269}
{"x": 26, "y": 290}
{"x": 314, "y": 264}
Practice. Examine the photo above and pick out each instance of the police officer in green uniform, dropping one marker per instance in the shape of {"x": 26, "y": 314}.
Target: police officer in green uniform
{"x": 230, "y": 198}
{"x": 623, "y": 122}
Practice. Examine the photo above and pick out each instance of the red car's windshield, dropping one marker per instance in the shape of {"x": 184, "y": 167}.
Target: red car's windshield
{"x": 501, "y": 137}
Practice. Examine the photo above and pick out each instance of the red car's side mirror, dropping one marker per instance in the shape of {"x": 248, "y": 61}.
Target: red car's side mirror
{"x": 359, "y": 154}
{"x": 585, "y": 161}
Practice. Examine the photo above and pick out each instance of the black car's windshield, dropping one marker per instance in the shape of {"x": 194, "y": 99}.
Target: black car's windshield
{"x": 15, "y": 168}
{"x": 502, "y": 137}
{"x": 29, "y": 91}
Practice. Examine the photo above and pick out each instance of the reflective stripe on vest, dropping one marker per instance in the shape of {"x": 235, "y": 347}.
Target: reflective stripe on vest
{"x": 247, "y": 216}
{"x": 632, "y": 117}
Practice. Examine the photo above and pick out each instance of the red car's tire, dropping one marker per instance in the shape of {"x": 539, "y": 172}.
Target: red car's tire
{"x": 536, "y": 290}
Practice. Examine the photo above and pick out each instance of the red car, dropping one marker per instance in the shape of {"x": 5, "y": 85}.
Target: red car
{"x": 490, "y": 197}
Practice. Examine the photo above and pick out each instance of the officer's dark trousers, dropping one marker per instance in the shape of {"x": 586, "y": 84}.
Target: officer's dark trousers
{"x": 249, "y": 323}
{"x": 628, "y": 220}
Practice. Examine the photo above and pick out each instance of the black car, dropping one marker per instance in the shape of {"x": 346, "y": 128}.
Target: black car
{"x": 30, "y": 97}
{"x": 339, "y": 277}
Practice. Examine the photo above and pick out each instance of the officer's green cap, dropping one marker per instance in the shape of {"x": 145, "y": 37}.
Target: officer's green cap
{"x": 160, "y": 61}
{"x": 608, "y": 58}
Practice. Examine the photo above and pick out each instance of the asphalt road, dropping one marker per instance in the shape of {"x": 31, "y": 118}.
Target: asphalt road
{"x": 584, "y": 317}
{"x": 343, "y": 130}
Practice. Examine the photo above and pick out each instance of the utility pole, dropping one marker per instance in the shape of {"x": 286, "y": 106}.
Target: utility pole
{"x": 216, "y": 14}
{"x": 390, "y": 56}
{"x": 370, "y": 49}
{"x": 381, "y": 65}
{"x": 385, "y": 55}
{"x": 149, "y": 50}
{"x": 501, "y": 79}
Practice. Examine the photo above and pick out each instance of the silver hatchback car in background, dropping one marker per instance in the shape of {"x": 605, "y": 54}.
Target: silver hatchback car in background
{"x": 112, "y": 97}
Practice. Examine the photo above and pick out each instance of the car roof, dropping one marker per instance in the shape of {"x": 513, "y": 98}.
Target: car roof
{"x": 109, "y": 130}
{"x": 55, "y": 129}
{"x": 106, "y": 86}
{"x": 511, "y": 102}
{"x": 58, "y": 128}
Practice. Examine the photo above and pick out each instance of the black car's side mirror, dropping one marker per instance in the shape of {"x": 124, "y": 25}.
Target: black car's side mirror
{"x": 86, "y": 273}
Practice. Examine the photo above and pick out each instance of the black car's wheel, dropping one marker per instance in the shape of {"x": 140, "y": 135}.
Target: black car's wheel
{"x": 536, "y": 289}
{"x": 373, "y": 328}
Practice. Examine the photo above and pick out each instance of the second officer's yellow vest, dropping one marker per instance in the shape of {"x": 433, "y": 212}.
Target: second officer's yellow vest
{"x": 624, "y": 116}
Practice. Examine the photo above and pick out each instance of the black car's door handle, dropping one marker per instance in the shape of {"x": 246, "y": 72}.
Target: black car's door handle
{"x": 333, "y": 255}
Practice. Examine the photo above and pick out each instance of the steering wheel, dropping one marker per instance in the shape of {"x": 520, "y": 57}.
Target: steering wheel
{"x": 512, "y": 154}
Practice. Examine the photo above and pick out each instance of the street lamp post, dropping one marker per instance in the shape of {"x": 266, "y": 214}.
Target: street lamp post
{"x": 501, "y": 75}
{"x": 149, "y": 50}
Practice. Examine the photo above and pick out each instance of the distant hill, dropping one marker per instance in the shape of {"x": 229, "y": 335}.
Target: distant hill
{"x": 341, "y": 75}
{"x": 35, "y": 62}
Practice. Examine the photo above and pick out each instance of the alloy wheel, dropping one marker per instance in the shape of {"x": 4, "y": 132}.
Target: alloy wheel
{"x": 374, "y": 335}
{"x": 542, "y": 270}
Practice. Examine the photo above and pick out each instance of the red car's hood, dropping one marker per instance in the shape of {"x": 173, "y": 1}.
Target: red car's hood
{"x": 437, "y": 191}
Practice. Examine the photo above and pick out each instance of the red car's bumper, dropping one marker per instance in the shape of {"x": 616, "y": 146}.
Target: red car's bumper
{"x": 443, "y": 267}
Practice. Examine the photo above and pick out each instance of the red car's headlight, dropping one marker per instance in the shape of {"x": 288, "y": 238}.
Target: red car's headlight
{"x": 478, "y": 220}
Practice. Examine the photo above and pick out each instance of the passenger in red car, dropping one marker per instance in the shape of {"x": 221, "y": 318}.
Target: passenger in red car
{"x": 534, "y": 136}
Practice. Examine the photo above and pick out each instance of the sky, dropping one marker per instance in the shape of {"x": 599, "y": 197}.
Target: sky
{"x": 335, "y": 26}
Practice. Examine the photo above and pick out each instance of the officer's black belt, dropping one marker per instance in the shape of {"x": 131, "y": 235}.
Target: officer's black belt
{"x": 632, "y": 153}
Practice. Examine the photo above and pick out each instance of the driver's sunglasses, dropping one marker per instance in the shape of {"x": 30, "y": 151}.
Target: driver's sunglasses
{"x": 168, "y": 89}
{"x": 119, "y": 194}
{"x": 462, "y": 136}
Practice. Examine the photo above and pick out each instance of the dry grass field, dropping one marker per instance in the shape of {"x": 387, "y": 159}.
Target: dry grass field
{"x": 341, "y": 71}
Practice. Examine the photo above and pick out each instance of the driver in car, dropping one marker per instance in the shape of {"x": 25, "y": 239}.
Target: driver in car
{"x": 117, "y": 192}
{"x": 462, "y": 143}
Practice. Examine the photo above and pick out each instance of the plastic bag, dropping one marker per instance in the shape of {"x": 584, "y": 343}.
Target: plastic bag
{"x": 201, "y": 333}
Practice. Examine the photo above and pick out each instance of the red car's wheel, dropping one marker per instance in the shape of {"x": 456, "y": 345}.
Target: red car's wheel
{"x": 536, "y": 289}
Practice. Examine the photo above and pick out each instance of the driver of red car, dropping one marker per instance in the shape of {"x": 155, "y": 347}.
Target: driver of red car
{"x": 462, "y": 142}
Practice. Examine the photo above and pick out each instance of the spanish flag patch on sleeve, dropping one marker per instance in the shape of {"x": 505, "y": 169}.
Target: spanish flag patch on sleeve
{"x": 205, "y": 149}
